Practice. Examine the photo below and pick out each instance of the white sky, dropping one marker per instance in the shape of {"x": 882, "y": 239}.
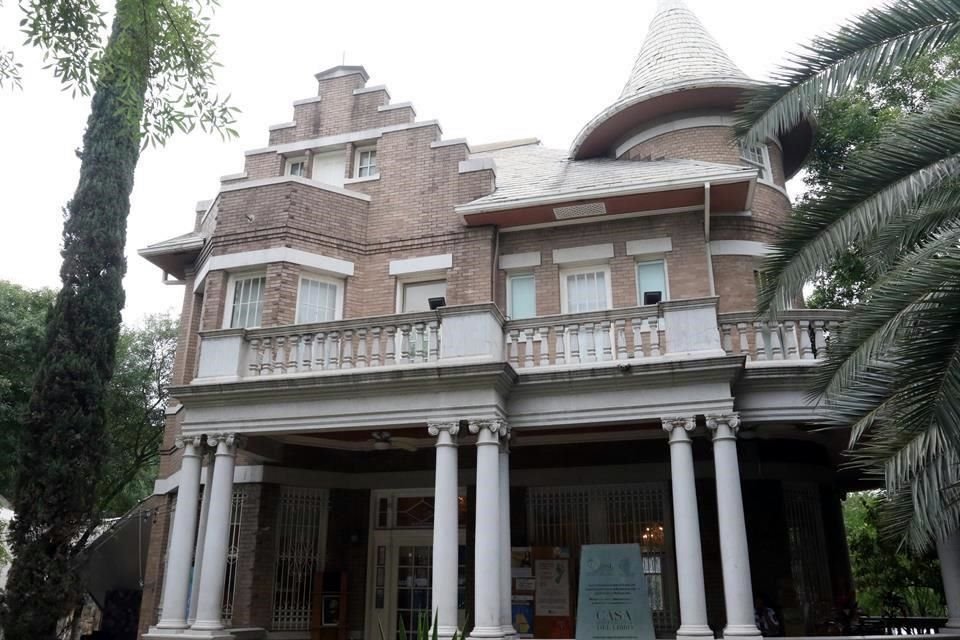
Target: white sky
{"x": 487, "y": 71}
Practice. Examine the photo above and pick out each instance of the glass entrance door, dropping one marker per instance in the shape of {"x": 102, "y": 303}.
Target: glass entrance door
{"x": 413, "y": 585}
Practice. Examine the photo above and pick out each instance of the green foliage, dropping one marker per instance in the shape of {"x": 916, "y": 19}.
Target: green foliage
{"x": 893, "y": 371}
{"x": 425, "y": 631}
{"x": 890, "y": 581}
{"x": 23, "y": 314}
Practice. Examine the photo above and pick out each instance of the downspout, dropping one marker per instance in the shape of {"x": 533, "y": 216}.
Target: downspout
{"x": 706, "y": 237}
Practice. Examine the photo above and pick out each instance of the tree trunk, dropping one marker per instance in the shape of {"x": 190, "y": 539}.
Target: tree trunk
{"x": 63, "y": 439}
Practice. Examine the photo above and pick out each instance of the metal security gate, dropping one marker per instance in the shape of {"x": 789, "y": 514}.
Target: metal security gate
{"x": 301, "y": 542}
{"x": 808, "y": 555}
{"x": 233, "y": 552}
{"x": 622, "y": 514}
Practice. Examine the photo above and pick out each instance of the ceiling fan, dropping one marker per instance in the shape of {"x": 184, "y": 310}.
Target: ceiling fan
{"x": 382, "y": 440}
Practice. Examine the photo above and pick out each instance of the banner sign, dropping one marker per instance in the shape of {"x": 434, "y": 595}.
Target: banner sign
{"x": 613, "y": 602}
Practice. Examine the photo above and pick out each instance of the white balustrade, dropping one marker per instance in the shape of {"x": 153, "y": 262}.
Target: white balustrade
{"x": 605, "y": 336}
{"x": 800, "y": 334}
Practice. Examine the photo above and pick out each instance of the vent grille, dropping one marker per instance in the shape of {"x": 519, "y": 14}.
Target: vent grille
{"x": 580, "y": 211}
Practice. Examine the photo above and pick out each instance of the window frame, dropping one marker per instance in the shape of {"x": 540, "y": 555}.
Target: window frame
{"x": 593, "y": 268}
{"x": 232, "y": 281}
{"x": 358, "y": 154}
{"x": 301, "y": 160}
{"x": 666, "y": 277}
{"x": 762, "y": 165}
{"x": 338, "y": 283}
{"x": 419, "y": 278}
{"x": 509, "y": 305}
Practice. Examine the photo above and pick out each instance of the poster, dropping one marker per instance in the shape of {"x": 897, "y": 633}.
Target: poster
{"x": 553, "y": 587}
{"x": 520, "y": 562}
{"x": 613, "y": 602}
{"x": 523, "y": 618}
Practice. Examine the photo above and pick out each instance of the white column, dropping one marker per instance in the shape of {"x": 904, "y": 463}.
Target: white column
{"x": 201, "y": 534}
{"x": 949, "y": 552}
{"x": 217, "y": 538}
{"x": 686, "y": 530}
{"x": 737, "y": 587}
{"x": 176, "y": 580}
{"x": 446, "y": 530}
{"x": 506, "y": 583}
{"x": 486, "y": 586}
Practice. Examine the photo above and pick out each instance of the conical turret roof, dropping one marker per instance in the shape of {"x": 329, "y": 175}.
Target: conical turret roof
{"x": 680, "y": 67}
{"x": 678, "y": 49}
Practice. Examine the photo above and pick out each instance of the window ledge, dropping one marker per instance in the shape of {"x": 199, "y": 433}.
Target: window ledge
{"x": 361, "y": 180}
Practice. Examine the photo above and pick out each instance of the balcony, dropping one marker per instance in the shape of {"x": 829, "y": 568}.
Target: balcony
{"x": 669, "y": 331}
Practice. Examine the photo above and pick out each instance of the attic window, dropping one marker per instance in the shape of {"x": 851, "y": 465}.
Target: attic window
{"x": 367, "y": 163}
{"x": 757, "y": 155}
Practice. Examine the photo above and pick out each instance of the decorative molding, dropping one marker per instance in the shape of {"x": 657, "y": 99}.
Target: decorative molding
{"x": 266, "y": 182}
{"x": 649, "y": 246}
{"x": 739, "y": 248}
{"x": 695, "y": 122}
{"x": 520, "y": 260}
{"x": 687, "y": 423}
{"x": 230, "y": 439}
{"x": 497, "y": 427}
{"x": 233, "y": 261}
{"x": 424, "y": 264}
{"x": 195, "y": 441}
{"x": 449, "y": 428}
{"x": 589, "y": 253}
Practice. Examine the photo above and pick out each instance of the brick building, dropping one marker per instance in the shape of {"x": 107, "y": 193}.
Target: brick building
{"x": 402, "y": 356}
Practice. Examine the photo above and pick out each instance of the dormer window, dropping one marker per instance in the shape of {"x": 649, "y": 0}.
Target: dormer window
{"x": 757, "y": 155}
{"x": 297, "y": 167}
{"x": 366, "y": 163}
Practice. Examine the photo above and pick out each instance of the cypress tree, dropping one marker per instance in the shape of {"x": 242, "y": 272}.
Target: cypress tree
{"x": 63, "y": 440}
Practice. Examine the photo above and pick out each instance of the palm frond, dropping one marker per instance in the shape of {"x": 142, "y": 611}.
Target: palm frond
{"x": 881, "y": 183}
{"x": 871, "y": 44}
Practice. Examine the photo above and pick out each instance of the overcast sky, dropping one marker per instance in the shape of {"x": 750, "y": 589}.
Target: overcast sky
{"x": 487, "y": 71}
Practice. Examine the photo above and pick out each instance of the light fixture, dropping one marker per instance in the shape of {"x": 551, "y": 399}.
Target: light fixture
{"x": 436, "y": 303}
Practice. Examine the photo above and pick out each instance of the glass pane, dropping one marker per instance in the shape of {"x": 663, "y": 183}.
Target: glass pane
{"x": 247, "y": 302}
{"x": 586, "y": 292}
{"x": 416, "y": 295}
{"x": 317, "y": 301}
{"x": 523, "y": 298}
{"x": 651, "y": 282}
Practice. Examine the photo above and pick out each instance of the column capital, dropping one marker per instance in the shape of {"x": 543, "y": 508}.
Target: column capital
{"x": 497, "y": 427}
{"x": 679, "y": 427}
{"x": 724, "y": 425}
{"x": 191, "y": 445}
{"x": 230, "y": 441}
{"x": 434, "y": 428}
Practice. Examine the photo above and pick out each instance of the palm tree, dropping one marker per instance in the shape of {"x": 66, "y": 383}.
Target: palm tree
{"x": 893, "y": 372}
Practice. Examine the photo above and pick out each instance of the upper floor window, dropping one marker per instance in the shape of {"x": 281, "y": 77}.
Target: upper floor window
{"x": 366, "y": 163}
{"x": 246, "y": 301}
{"x": 758, "y": 156}
{"x": 297, "y": 167}
{"x": 585, "y": 289}
{"x": 329, "y": 167}
{"x": 651, "y": 282}
{"x": 415, "y": 296}
{"x": 521, "y": 296}
{"x": 319, "y": 300}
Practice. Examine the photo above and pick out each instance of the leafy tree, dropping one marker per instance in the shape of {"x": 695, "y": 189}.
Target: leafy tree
{"x": 890, "y": 582}
{"x": 893, "y": 371}
{"x": 152, "y": 76}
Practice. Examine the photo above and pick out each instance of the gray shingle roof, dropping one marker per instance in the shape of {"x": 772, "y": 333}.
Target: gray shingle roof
{"x": 532, "y": 172}
{"x": 678, "y": 50}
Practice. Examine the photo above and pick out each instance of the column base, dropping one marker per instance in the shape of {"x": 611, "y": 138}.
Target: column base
{"x": 952, "y": 626}
{"x": 508, "y": 632}
{"x": 741, "y": 631}
{"x": 445, "y": 632}
{"x": 694, "y": 631}
{"x": 487, "y": 632}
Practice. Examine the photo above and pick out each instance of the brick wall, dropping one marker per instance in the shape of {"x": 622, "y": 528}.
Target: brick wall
{"x": 156, "y": 552}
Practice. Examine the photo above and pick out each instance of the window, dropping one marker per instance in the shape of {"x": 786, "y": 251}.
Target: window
{"x": 328, "y": 167}
{"x": 521, "y": 296}
{"x": 319, "y": 300}
{"x": 415, "y": 296}
{"x": 366, "y": 163}
{"x": 651, "y": 282}
{"x": 246, "y": 302}
{"x": 585, "y": 290}
{"x": 297, "y": 167}
{"x": 757, "y": 155}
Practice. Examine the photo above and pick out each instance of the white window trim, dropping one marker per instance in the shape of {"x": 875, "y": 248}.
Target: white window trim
{"x": 231, "y": 289}
{"x": 291, "y": 161}
{"x": 319, "y": 277}
{"x": 432, "y": 276}
{"x": 585, "y": 269}
{"x": 356, "y": 162}
{"x": 767, "y": 168}
{"x": 520, "y": 274}
{"x": 666, "y": 277}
